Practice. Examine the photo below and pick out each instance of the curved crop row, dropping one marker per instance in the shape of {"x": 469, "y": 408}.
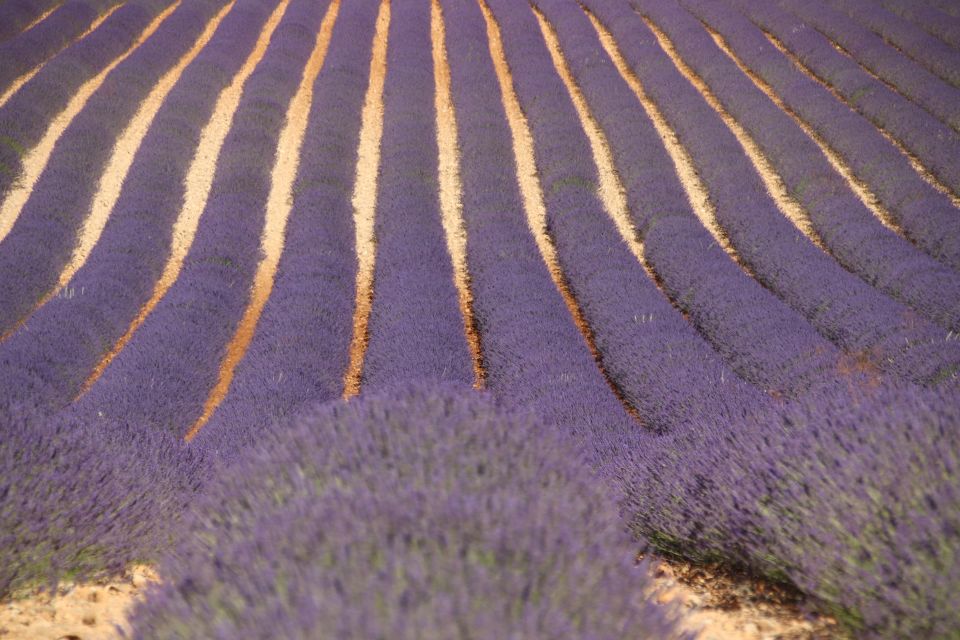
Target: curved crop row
{"x": 841, "y": 306}
{"x": 534, "y": 356}
{"x": 870, "y": 50}
{"x": 765, "y": 341}
{"x": 23, "y": 56}
{"x": 300, "y": 350}
{"x": 888, "y": 185}
{"x": 947, "y": 6}
{"x": 73, "y": 196}
{"x": 73, "y": 338}
{"x": 908, "y": 39}
{"x": 18, "y": 16}
{"x": 933, "y": 145}
{"x": 416, "y": 329}
{"x": 644, "y": 343}
{"x": 35, "y": 116}
{"x": 840, "y": 220}
{"x": 932, "y": 20}
{"x": 278, "y": 206}
{"x": 164, "y": 375}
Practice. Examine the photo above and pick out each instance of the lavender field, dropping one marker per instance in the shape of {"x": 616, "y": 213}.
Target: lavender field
{"x": 423, "y": 318}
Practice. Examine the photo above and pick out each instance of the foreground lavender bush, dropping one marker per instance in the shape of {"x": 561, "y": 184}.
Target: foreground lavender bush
{"x": 853, "y": 495}
{"x": 77, "y": 502}
{"x": 409, "y": 514}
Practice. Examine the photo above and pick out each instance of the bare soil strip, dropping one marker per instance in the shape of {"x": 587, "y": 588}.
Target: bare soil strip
{"x": 96, "y": 610}
{"x": 610, "y": 189}
{"x": 915, "y": 162}
{"x": 111, "y": 182}
{"x": 775, "y": 187}
{"x": 365, "y": 200}
{"x": 862, "y": 191}
{"x": 198, "y": 182}
{"x": 532, "y": 193}
{"x": 25, "y": 78}
{"x": 35, "y": 160}
{"x": 451, "y": 204}
{"x": 696, "y": 191}
{"x": 43, "y": 16}
{"x": 279, "y": 204}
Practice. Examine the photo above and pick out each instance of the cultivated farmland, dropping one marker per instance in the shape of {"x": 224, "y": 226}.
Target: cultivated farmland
{"x": 424, "y": 318}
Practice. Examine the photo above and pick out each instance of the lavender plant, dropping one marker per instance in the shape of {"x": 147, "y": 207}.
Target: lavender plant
{"x": 870, "y": 50}
{"x": 850, "y": 493}
{"x": 181, "y": 343}
{"x": 645, "y": 344}
{"x": 851, "y": 233}
{"x": 416, "y": 329}
{"x": 909, "y": 39}
{"x": 534, "y": 356}
{"x": 765, "y": 341}
{"x": 934, "y": 143}
{"x": 301, "y": 346}
{"x": 21, "y": 55}
{"x": 17, "y": 15}
{"x": 69, "y": 335}
{"x": 80, "y": 502}
{"x": 25, "y": 117}
{"x": 925, "y": 215}
{"x": 413, "y": 513}
{"x": 841, "y": 306}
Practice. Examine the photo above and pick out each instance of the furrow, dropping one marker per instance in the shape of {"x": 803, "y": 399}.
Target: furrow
{"x": 925, "y": 174}
{"x": 610, "y": 189}
{"x": 416, "y": 327}
{"x": 696, "y": 191}
{"x": 365, "y": 200}
{"x": 115, "y": 172}
{"x": 300, "y": 350}
{"x": 36, "y": 159}
{"x": 639, "y": 336}
{"x": 24, "y": 78}
{"x": 772, "y": 181}
{"x": 43, "y": 16}
{"x": 874, "y": 329}
{"x": 165, "y": 374}
{"x": 846, "y": 226}
{"x": 764, "y": 341}
{"x": 532, "y": 194}
{"x": 12, "y": 26}
{"x": 874, "y": 54}
{"x": 198, "y": 182}
{"x": 862, "y": 191}
{"x": 451, "y": 188}
{"x": 535, "y": 356}
{"x": 279, "y": 203}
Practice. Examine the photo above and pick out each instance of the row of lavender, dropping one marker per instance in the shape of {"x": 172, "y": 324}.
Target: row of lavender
{"x": 783, "y": 336}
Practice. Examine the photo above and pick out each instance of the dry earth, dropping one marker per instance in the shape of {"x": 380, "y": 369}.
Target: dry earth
{"x": 86, "y": 611}
{"x": 718, "y": 605}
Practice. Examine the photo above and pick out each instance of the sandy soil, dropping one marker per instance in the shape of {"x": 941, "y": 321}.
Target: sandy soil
{"x": 724, "y": 606}
{"x": 88, "y": 611}
{"x": 718, "y": 605}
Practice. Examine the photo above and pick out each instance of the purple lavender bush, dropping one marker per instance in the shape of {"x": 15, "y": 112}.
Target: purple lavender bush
{"x": 852, "y": 495}
{"x": 79, "y": 502}
{"x": 412, "y": 513}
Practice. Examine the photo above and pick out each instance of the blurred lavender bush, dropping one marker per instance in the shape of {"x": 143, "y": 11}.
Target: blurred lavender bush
{"x": 853, "y": 495}
{"x": 79, "y": 502}
{"x": 409, "y": 514}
